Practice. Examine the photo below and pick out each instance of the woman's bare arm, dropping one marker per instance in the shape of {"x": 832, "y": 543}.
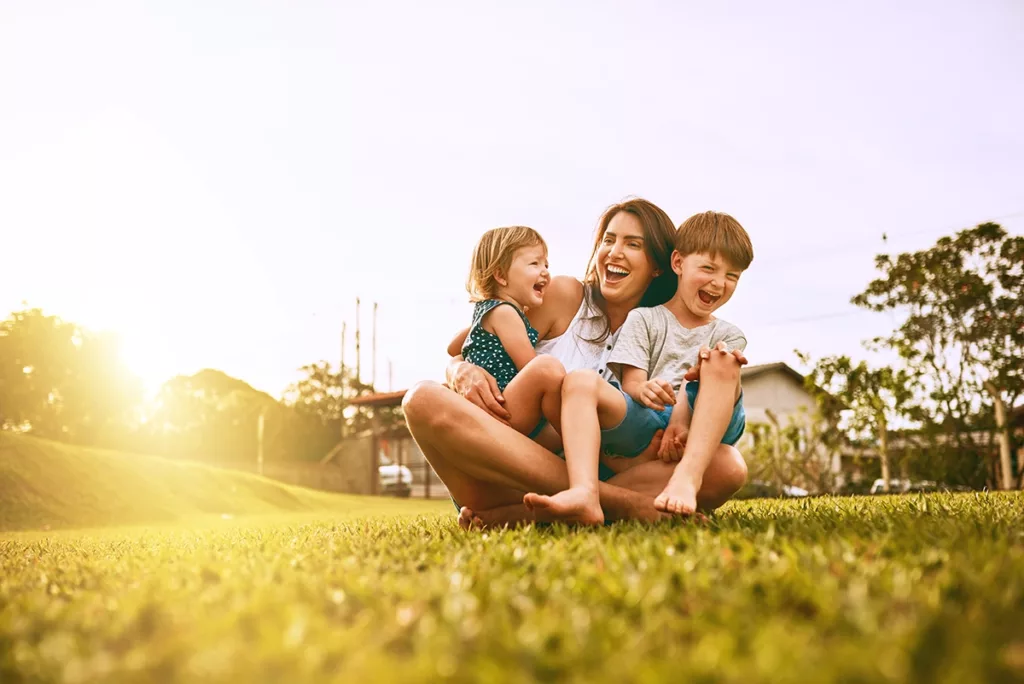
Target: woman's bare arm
{"x": 455, "y": 346}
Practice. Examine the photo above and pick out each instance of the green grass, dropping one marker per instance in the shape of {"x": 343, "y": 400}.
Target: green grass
{"x": 923, "y": 588}
{"x": 47, "y": 485}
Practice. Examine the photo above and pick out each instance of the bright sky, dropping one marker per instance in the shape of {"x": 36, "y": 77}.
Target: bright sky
{"x": 217, "y": 182}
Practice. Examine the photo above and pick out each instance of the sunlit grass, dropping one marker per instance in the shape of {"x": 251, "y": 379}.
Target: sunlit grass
{"x": 48, "y": 485}
{"x": 926, "y": 588}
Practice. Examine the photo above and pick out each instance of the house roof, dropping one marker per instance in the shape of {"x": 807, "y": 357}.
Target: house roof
{"x": 750, "y": 372}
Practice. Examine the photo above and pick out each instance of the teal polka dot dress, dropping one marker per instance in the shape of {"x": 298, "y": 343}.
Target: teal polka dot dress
{"x": 483, "y": 348}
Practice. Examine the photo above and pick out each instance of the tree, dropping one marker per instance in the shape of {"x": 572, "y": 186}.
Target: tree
{"x": 962, "y": 337}
{"x": 60, "y": 381}
{"x": 874, "y": 398}
{"x": 322, "y": 394}
{"x": 799, "y": 452}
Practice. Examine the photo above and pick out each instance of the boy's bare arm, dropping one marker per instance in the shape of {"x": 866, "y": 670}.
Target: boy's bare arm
{"x": 681, "y": 413}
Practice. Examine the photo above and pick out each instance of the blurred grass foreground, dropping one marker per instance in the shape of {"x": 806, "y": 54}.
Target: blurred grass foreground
{"x": 307, "y": 586}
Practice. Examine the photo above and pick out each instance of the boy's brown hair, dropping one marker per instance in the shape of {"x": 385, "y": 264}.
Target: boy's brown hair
{"x": 493, "y": 255}
{"x": 713, "y": 232}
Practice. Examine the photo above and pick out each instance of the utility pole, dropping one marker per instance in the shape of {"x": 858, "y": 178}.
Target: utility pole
{"x": 373, "y": 373}
{"x": 358, "y": 359}
{"x": 341, "y": 380}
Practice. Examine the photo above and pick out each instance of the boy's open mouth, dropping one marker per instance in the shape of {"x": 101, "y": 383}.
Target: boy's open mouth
{"x": 707, "y": 297}
{"x": 613, "y": 274}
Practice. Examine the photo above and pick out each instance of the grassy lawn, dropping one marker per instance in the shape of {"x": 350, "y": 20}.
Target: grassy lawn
{"x": 924, "y": 588}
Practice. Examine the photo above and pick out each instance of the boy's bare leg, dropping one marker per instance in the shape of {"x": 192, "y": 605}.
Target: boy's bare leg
{"x": 719, "y": 390}
{"x": 588, "y": 404}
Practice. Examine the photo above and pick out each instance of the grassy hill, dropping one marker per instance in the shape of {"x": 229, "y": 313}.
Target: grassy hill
{"x": 46, "y": 485}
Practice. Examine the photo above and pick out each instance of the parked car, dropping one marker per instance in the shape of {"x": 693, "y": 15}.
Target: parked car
{"x": 395, "y": 480}
{"x": 759, "y": 489}
{"x": 898, "y": 486}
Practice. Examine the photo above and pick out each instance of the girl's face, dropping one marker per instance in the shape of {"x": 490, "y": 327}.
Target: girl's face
{"x": 624, "y": 270}
{"x": 527, "y": 278}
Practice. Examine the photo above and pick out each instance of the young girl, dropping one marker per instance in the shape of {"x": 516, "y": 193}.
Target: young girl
{"x": 507, "y": 277}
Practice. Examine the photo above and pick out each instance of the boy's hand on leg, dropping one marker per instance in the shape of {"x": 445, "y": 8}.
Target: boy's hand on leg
{"x": 657, "y": 394}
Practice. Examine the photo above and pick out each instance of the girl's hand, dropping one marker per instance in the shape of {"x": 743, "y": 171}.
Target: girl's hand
{"x": 657, "y": 394}
{"x": 480, "y": 388}
{"x": 704, "y": 354}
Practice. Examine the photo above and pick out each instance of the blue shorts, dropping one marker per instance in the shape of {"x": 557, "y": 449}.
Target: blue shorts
{"x": 630, "y": 437}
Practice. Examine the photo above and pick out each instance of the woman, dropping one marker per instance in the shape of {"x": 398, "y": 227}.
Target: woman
{"x": 487, "y": 466}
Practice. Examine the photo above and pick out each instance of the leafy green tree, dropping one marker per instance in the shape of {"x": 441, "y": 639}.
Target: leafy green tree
{"x": 962, "y": 337}
{"x": 799, "y": 451}
{"x": 208, "y": 416}
{"x": 60, "y": 381}
{"x": 322, "y": 394}
{"x": 874, "y": 399}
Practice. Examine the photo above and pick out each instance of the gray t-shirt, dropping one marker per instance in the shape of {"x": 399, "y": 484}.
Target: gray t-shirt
{"x": 653, "y": 339}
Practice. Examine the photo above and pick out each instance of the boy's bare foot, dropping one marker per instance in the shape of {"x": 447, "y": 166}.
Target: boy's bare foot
{"x": 680, "y": 494}
{"x": 572, "y": 505}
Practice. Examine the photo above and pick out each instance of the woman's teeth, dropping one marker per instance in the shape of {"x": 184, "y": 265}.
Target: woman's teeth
{"x": 615, "y": 272}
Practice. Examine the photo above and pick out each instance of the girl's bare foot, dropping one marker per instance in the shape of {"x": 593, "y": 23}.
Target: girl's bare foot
{"x": 680, "y": 494}
{"x": 576, "y": 505}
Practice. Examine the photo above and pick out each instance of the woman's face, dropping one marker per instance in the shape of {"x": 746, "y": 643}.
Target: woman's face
{"x": 623, "y": 268}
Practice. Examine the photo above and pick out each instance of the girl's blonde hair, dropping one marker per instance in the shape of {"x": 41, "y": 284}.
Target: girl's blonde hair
{"x": 493, "y": 255}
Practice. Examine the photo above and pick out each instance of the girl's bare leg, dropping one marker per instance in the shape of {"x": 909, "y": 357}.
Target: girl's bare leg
{"x": 719, "y": 390}
{"x": 588, "y": 404}
{"x": 486, "y": 464}
{"x": 536, "y": 392}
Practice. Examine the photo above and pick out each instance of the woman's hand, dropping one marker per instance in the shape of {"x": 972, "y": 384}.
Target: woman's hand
{"x": 479, "y": 387}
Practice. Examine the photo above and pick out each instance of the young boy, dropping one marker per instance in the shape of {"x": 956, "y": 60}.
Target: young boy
{"x": 657, "y": 350}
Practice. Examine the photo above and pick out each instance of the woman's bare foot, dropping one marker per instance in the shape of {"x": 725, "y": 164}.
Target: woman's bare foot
{"x": 468, "y": 520}
{"x": 572, "y": 505}
{"x": 513, "y": 515}
{"x": 680, "y": 494}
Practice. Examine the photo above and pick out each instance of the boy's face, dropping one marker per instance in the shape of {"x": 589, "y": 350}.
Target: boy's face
{"x": 706, "y": 281}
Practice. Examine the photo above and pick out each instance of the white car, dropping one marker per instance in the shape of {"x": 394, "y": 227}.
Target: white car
{"x": 895, "y": 486}
{"x": 395, "y": 480}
